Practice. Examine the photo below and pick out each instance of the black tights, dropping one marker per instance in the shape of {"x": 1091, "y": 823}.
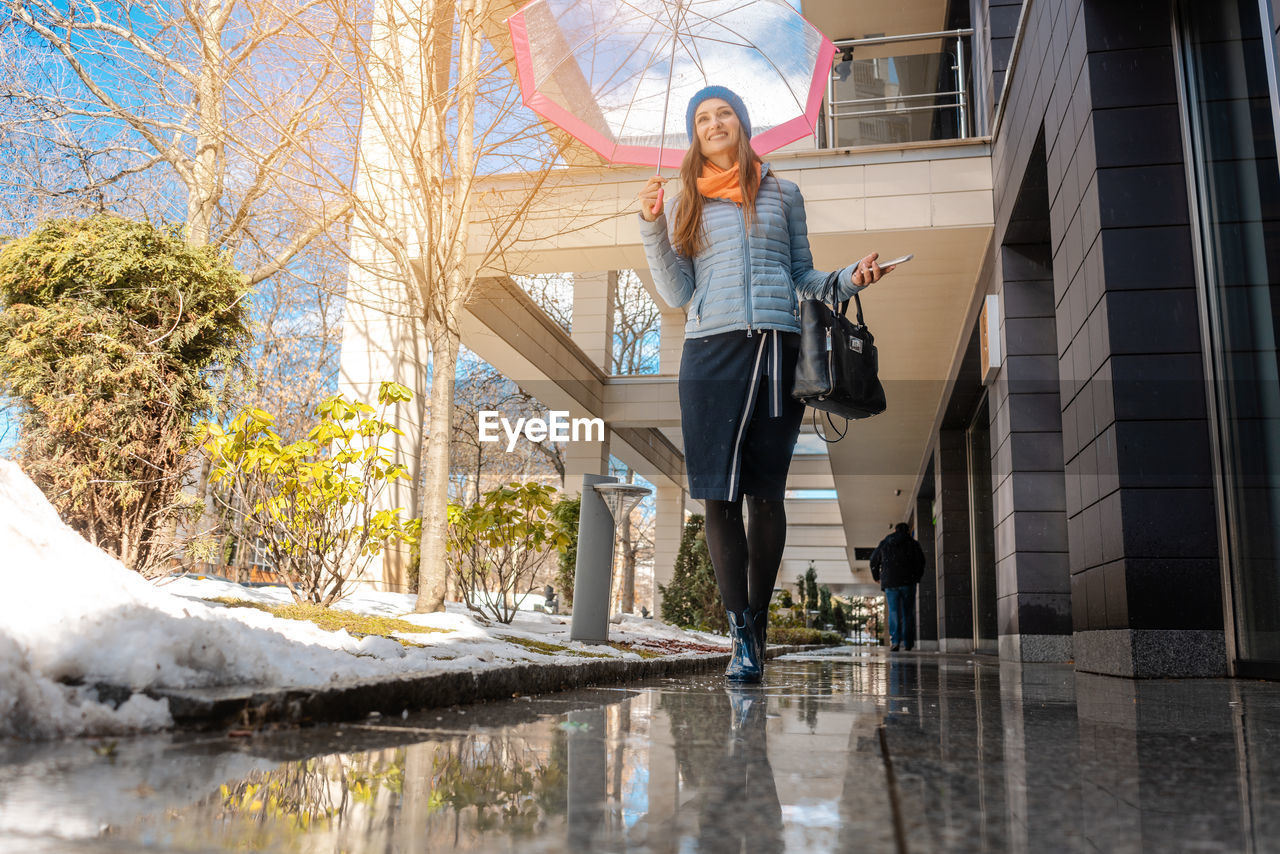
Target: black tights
{"x": 746, "y": 559}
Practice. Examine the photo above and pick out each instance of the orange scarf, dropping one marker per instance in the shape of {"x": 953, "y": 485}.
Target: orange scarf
{"x": 717, "y": 183}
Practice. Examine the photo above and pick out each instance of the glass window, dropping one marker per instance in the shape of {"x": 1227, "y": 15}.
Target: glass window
{"x": 1236, "y": 202}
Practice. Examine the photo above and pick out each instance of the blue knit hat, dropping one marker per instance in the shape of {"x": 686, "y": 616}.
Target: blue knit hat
{"x": 724, "y": 94}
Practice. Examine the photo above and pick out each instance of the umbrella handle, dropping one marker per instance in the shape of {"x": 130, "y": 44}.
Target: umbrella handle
{"x": 657, "y": 205}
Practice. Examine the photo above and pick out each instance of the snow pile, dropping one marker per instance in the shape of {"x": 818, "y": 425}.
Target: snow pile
{"x": 39, "y": 641}
{"x": 74, "y": 623}
{"x": 73, "y": 619}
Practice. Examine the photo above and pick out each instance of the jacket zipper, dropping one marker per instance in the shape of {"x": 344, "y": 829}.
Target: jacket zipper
{"x": 746, "y": 266}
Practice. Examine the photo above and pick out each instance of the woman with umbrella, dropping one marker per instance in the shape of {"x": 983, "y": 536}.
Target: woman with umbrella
{"x": 738, "y": 255}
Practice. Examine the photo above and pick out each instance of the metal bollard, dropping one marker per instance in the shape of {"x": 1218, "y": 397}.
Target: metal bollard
{"x": 594, "y": 570}
{"x": 593, "y": 574}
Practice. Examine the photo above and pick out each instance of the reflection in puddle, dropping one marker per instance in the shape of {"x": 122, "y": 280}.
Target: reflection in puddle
{"x": 458, "y": 791}
{"x": 985, "y": 757}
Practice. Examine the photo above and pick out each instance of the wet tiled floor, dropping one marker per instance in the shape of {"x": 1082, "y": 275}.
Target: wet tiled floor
{"x": 845, "y": 751}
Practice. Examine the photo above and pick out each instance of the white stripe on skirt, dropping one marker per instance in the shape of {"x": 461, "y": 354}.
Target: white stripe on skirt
{"x": 744, "y": 420}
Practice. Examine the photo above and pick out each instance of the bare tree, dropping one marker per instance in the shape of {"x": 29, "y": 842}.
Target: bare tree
{"x": 553, "y": 292}
{"x": 635, "y": 545}
{"x": 192, "y": 112}
{"x": 221, "y": 102}
{"x": 297, "y": 335}
{"x": 440, "y": 111}
{"x": 637, "y": 323}
{"x": 223, "y": 115}
{"x": 476, "y": 465}
{"x": 637, "y": 326}
{"x": 53, "y": 166}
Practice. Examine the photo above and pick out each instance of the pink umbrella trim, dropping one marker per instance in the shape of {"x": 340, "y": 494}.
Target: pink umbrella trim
{"x": 643, "y": 155}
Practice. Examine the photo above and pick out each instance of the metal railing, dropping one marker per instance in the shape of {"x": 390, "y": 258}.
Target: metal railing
{"x": 878, "y": 97}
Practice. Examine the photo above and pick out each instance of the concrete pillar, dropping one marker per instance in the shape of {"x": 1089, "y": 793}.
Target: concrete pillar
{"x": 1033, "y": 578}
{"x": 668, "y": 528}
{"x": 671, "y": 338}
{"x": 584, "y": 458}
{"x": 383, "y": 338}
{"x": 593, "y": 299}
{"x": 952, "y": 541}
{"x": 1146, "y": 564}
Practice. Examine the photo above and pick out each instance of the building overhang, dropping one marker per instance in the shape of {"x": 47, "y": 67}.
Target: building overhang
{"x": 930, "y": 199}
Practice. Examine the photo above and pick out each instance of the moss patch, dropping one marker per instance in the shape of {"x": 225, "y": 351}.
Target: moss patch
{"x": 550, "y": 648}
{"x": 638, "y": 650}
{"x": 331, "y": 619}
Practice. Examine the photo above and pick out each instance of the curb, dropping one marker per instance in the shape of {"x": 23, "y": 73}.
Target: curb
{"x": 209, "y": 708}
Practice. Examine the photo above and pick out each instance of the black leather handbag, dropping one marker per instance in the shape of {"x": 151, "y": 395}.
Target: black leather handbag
{"x": 838, "y": 368}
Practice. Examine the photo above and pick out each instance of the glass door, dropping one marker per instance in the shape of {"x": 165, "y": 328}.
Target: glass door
{"x": 1230, "y": 140}
{"x": 982, "y": 531}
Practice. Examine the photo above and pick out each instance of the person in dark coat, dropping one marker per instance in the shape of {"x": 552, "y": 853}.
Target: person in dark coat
{"x": 898, "y": 564}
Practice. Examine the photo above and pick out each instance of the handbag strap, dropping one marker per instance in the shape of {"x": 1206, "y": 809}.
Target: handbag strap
{"x": 832, "y": 424}
{"x": 841, "y": 309}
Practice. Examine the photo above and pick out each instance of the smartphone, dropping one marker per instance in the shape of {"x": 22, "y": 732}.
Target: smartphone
{"x": 904, "y": 259}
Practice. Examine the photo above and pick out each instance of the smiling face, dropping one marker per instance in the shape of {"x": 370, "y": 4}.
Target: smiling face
{"x": 717, "y": 128}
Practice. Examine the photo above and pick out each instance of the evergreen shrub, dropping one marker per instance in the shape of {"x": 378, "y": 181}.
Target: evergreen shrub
{"x": 115, "y": 339}
{"x": 567, "y": 511}
{"x": 692, "y": 599}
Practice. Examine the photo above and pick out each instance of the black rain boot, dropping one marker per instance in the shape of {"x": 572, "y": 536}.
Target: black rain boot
{"x": 747, "y": 719}
{"x": 741, "y": 703}
{"x": 745, "y": 665}
{"x": 760, "y": 620}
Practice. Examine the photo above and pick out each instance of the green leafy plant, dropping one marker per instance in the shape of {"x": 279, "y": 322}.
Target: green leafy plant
{"x": 498, "y": 544}
{"x": 115, "y": 339}
{"x": 313, "y": 503}
{"x": 567, "y": 511}
{"x": 785, "y": 617}
{"x": 825, "y": 615}
{"x": 692, "y": 599}
{"x": 840, "y": 618}
{"x": 493, "y": 783}
{"x": 811, "y": 595}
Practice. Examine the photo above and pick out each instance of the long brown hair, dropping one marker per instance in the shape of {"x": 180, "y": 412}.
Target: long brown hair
{"x": 689, "y": 236}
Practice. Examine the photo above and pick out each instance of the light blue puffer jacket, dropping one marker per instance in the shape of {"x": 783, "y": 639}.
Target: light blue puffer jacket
{"x": 743, "y": 280}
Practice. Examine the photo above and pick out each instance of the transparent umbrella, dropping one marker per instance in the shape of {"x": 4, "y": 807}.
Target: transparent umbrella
{"x": 617, "y": 74}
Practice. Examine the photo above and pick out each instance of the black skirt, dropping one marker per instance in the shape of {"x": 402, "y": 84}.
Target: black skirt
{"x": 737, "y": 415}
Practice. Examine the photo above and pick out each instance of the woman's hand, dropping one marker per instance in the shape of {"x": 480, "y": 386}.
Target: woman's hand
{"x": 868, "y": 272}
{"x": 651, "y": 198}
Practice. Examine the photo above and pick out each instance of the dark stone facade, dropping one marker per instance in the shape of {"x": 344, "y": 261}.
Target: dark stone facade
{"x": 927, "y": 593}
{"x": 1106, "y": 537}
{"x": 954, "y": 586}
